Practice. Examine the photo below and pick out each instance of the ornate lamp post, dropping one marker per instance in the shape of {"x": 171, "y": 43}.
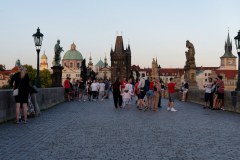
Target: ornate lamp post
{"x": 38, "y": 37}
{"x": 237, "y": 42}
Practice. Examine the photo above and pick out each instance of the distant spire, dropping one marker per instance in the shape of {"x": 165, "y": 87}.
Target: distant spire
{"x": 228, "y": 38}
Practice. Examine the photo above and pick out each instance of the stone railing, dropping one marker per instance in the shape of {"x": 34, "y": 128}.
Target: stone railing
{"x": 231, "y": 99}
{"x": 46, "y": 98}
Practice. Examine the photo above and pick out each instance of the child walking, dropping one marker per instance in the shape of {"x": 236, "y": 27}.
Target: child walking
{"x": 126, "y": 96}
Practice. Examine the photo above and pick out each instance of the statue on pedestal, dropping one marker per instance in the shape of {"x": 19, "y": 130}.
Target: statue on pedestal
{"x": 57, "y": 56}
{"x": 190, "y": 62}
{"x": 190, "y": 66}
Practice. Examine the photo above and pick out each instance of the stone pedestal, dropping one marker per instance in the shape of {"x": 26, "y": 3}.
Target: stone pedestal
{"x": 190, "y": 76}
{"x": 57, "y": 76}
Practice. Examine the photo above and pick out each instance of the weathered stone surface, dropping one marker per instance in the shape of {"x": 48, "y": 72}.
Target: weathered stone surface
{"x": 96, "y": 130}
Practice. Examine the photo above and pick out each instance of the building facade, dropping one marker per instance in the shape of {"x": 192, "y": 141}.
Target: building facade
{"x": 71, "y": 62}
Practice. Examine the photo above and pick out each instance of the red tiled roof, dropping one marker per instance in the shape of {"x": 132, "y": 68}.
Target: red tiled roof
{"x": 207, "y": 68}
{"x": 229, "y": 74}
{"x": 171, "y": 71}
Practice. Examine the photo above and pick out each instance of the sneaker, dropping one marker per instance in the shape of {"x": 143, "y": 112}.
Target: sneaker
{"x": 168, "y": 108}
{"x": 173, "y": 110}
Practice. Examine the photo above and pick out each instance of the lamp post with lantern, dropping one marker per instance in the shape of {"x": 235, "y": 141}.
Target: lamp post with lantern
{"x": 237, "y": 42}
{"x": 158, "y": 70}
{"x": 38, "y": 37}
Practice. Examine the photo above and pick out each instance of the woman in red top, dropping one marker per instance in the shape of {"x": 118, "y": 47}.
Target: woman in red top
{"x": 171, "y": 90}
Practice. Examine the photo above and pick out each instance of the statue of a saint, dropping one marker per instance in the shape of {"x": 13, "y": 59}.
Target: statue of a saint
{"x": 190, "y": 62}
{"x": 17, "y": 63}
{"x": 57, "y": 56}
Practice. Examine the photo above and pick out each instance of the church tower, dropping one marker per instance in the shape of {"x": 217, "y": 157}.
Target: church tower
{"x": 90, "y": 63}
{"x": 43, "y": 64}
{"x": 228, "y": 60}
{"x": 120, "y": 60}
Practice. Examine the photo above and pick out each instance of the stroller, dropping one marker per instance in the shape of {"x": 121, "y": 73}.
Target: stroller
{"x": 31, "y": 111}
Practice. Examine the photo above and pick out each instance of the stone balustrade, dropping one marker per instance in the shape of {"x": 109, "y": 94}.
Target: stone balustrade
{"x": 231, "y": 99}
{"x": 49, "y": 97}
{"x": 46, "y": 98}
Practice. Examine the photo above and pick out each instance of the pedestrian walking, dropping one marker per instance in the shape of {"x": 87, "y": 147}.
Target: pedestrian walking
{"x": 171, "y": 91}
{"x": 157, "y": 92}
{"x": 143, "y": 91}
{"x": 116, "y": 89}
{"x": 126, "y": 96}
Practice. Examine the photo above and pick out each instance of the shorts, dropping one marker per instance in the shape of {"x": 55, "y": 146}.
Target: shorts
{"x": 170, "y": 97}
{"x": 68, "y": 90}
{"x": 142, "y": 94}
{"x": 185, "y": 91}
{"x": 220, "y": 96}
{"x": 207, "y": 97}
{"x": 150, "y": 93}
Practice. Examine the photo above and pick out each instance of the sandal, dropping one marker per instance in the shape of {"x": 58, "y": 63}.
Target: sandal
{"x": 16, "y": 122}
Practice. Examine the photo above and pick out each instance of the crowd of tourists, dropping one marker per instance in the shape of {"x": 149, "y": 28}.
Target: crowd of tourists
{"x": 91, "y": 90}
{"x": 147, "y": 92}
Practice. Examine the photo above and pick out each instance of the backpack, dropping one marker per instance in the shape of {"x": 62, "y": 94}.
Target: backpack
{"x": 146, "y": 86}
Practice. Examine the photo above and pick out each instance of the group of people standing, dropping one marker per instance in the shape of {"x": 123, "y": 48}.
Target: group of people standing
{"x": 214, "y": 93}
{"x": 89, "y": 90}
{"x": 148, "y": 93}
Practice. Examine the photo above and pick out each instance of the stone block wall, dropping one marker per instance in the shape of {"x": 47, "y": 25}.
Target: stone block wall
{"x": 46, "y": 98}
{"x": 231, "y": 99}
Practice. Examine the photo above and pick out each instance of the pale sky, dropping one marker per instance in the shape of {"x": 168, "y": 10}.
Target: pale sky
{"x": 153, "y": 28}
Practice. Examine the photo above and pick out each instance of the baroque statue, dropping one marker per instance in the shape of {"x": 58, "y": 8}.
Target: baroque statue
{"x": 57, "y": 55}
{"x": 17, "y": 63}
{"x": 190, "y": 62}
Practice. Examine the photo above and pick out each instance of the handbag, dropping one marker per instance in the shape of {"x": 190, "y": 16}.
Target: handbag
{"x": 15, "y": 92}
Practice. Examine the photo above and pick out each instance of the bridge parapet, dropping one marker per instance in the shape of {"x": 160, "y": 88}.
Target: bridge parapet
{"x": 46, "y": 98}
{"x": 231, "y": 99}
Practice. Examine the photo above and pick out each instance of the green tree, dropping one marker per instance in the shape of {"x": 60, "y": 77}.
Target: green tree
{"x": 2, "y": 68}
{"x": 45, "y": 76}
{"x": 46, "y": 80}
{"x": 32, "y": 73}
{"x": 84, "y": 71}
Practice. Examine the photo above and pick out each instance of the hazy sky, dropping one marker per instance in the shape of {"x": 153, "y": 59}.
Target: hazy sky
{"x": 153, "y": 28}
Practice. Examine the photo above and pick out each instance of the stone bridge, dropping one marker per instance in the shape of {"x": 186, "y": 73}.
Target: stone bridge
{"x": 96, "y": 130}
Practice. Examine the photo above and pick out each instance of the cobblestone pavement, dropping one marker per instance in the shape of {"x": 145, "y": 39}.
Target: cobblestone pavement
{"x": 96, "y": 130}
